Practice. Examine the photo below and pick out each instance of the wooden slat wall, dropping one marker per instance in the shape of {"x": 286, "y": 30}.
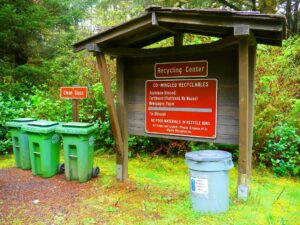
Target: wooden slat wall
{"x": 222, "y": 65}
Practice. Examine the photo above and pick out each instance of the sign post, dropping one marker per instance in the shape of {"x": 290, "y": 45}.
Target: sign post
{"x": 75, "y": 110}
{"x": 75, "y": 93}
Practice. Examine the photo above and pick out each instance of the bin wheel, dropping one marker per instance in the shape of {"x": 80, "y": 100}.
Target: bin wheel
{"x": 61, "y": 168}
{"x": 96, "y": 171}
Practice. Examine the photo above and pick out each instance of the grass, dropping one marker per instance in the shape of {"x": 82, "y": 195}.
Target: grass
{"x": 157, "y": 192}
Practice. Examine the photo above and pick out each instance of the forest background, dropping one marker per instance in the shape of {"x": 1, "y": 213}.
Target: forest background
{"x": 36, "y": 59}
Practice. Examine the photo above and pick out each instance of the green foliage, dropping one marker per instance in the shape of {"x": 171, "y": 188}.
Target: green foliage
{"x": 28, "y": 31}
{"x": 140, "y": 145}
{"x": 282, "y": 150}
{"x": 95, "y": 110}
{"x": 276, "y": 99}
{"x": 10, "y": 108}
{"x": 45, "y": 107}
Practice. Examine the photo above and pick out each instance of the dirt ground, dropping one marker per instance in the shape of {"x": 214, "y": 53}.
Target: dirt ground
{"x": 32, "y": 198}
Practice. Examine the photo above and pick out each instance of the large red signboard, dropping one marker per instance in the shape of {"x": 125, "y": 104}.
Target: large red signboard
{"x": 186, "y": 107}
{"x": 73, "y": 92}
{"x": 181, "y": 69}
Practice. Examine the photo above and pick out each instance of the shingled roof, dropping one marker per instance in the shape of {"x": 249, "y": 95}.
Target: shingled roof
{"x": 159, "y": 23}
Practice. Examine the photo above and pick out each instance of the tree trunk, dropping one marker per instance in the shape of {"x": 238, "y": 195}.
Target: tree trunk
{"x": 232, "y": 6}
{"x": 253, "y": 5}
{"x": 296, "y": 18}
{"x": 268, "y": 6}
{"x": 288, "y": 11}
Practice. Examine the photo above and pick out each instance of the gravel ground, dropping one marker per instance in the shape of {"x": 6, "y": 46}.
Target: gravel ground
{"x": 33, "y": 199}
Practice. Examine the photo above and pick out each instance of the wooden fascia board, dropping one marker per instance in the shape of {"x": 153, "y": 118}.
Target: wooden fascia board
{"x": 220, "y": 21}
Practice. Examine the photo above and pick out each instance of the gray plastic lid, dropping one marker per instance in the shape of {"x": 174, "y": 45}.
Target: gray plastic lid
{"x": 43, "y": 123}
{"x": 77, "y": 125}
{"x": 208, "y": 155}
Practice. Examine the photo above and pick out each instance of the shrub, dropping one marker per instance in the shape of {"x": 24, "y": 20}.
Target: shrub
{"x": 49, "y": 107}
{"x": 282, "y": 150}
{"x": 10, "y": 108}
{"x": 277, "y": 105}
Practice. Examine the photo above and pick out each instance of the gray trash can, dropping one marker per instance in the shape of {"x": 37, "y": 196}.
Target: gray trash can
{"x": 209, "y": 179}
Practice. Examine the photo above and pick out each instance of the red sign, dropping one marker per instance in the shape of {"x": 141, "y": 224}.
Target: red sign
{"x": 182, "y": 107}
{"x": 73, "y": 92}
{"x": 181, "y": 69}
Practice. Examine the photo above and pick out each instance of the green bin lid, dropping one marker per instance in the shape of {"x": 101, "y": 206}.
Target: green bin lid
{"x": 77, "y": 128}
{"x": 78, "y": 125}
{"x": 23, "y": 120}
{"x": 43, "y": 123}
{"x": 19, "y": 122}
{"x": 41, "y": 126}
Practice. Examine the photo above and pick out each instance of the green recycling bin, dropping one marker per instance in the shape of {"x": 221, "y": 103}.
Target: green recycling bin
{"x": 78, "y": 145}
{"x": 44, "y": 146}
{"x": 20, "y": 142}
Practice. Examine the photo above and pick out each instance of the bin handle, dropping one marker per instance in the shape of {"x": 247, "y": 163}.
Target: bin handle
{"x": 72, "y": 156}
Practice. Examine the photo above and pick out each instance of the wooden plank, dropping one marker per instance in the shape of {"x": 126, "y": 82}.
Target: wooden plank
{"x": 244, "y": 168}
{"x": 142, "y": 69}
{"x": 105, "y": 78}
{"x": 122, "y": 159}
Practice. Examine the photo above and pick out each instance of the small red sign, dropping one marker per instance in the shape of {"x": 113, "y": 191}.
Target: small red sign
{"x": 182, "y": 107}
{"x": 181, "y": 69}
{"x": 73, "y": 92}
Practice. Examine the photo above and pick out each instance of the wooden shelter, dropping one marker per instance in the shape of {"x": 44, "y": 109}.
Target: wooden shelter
{"x": 231, "y": 62}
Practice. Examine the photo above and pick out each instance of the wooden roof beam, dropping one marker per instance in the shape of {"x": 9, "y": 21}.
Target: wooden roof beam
{"x": 190, "y": 49}
{"x": 108, "y": 95}
{"x": 155, "y": 23}
{"x": 178, "y": 37}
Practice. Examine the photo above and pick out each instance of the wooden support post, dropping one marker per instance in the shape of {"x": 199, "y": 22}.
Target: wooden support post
{"x": 178, "y": 40}
{"x": 122, "y": 159}
{"x": 252, "y": 66}
{"x": 244, "y": 113}
{"x": 109, "y": 98}
{"x": 75, "y": 110}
